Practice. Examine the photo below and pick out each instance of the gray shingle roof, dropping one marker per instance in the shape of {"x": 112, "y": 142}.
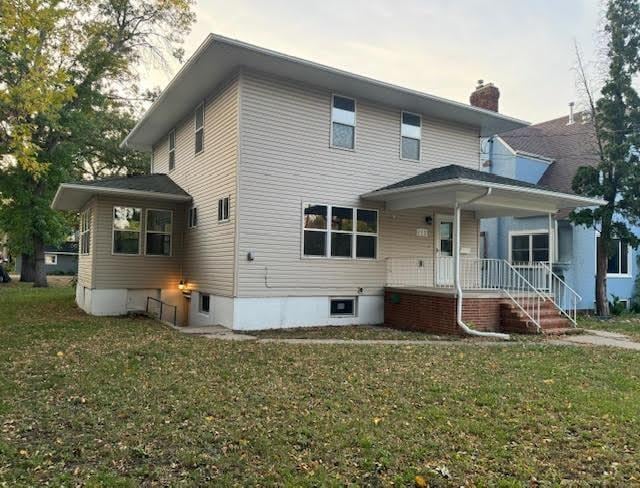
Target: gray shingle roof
{"x": 155, "y": 183}
{"x": 454, "y": 172}
{"x": 570, "y": 146}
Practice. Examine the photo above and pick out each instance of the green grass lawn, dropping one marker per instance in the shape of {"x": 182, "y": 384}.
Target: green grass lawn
{"x": 628, "y": 324}
{"x": 127, "y": 402}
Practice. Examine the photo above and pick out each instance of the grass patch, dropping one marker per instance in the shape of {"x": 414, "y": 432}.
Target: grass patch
{"x": 127, "y": 402}
{"x": 628, "y": 324}
{"x": 351, "y": 332}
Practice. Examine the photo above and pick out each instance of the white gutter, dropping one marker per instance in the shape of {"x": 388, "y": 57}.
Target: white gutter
{"x": 456, "y": 273}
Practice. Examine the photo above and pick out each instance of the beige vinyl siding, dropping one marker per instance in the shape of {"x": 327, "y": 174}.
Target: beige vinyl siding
{"x": 286, "y": 160}
{"x": 86, "y": 261}
{"x": 208, "y": 176}
{"x": 130, "y": 271}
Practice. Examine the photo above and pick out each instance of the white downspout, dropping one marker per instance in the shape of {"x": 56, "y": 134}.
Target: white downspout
{"x": 456, "y": 273}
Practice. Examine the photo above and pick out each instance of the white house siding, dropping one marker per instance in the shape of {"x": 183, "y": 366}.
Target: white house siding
{"x": 285, "y": 160}
{"x": 209, "y": 249}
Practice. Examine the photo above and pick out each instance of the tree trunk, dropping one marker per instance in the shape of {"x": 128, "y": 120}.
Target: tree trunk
{"x": 38, "y": 255}
{"x": 27, "y": 268}
{"x": 602, "y": 302}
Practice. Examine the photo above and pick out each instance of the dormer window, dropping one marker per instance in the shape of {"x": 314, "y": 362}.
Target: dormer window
{"x": 199, "y": 124}
{"x": 410, "y": 135}
{"x": 343, "y": 122}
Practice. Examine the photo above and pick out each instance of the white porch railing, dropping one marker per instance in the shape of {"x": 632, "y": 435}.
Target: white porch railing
{"x": 527, "y": 286}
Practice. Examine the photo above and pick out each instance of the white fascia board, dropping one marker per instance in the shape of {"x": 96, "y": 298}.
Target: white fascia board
{"x": 581, "y": 201}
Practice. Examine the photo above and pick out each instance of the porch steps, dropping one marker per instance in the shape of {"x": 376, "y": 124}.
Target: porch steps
{"x": 512, "y": 319}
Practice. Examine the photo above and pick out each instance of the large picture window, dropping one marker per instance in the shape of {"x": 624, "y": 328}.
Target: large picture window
{"x": 410, "y": 135}
{"x": 343, "y": 122}
{"x": 619, "y": 258}
{"x": 85, "y": 232}
{"x": 529, "y": 248}
{"x": 159, "y": 225}
{"x": 339, "y": 232}
{"x": 126, "y": 230}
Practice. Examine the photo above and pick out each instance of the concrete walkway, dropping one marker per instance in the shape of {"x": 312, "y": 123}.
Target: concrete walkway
{"x": 590, "y": 338}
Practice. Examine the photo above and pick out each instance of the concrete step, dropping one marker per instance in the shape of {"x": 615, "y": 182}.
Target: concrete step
{"x": 563, "y": 331}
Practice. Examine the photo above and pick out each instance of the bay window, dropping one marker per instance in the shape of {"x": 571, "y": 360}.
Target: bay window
{"x": 159, "y": 225}
{"x": 339, "y": 232}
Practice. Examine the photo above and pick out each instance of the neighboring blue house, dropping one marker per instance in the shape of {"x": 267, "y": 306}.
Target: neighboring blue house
{"x": 60, "y": 260}
{"x": 549, "y": 154}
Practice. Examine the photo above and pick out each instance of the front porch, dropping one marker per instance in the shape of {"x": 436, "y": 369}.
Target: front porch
{"x": 455, "y": 291}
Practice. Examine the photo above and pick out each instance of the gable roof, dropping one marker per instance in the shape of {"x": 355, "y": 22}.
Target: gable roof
{"x": 455, "y": 172}
{"x": 219, "y": 57}
{"x": 568, "y": 145}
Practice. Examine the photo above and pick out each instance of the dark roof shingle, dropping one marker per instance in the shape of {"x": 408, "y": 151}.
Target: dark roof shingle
{"x": 155, "y": 183}
{"x": 569, "y": 145}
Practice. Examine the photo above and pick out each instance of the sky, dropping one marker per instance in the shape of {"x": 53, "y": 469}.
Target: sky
{"x": 525, "y": 47}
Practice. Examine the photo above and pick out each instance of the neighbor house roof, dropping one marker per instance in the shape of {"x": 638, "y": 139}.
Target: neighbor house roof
{"x": 67, "y": 247}
{"x": 73, "y": 196}
{"x": 219, "y": 57}
{"x": 569, "y": 146}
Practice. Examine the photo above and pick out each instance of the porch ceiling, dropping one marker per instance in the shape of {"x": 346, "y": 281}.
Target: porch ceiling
{"x": 488, "y": 196}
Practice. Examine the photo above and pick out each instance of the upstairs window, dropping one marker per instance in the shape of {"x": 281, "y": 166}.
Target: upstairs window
{"x": 192, "y": 217}
{"x": 199, "y": 125}
{"x": 410, "y": 136}
{"x": 126, "y": 230}
{"x": 529, "y": 248}
{"x": 172, "y": 150}
{"x": 223, "y": 209}
{"x": 158, "y": 232}
{"x": 619, "y": 258}
{"x": 85, "y": 232}
{"x": 339, "y": 232}
{"x": 343, "y": 122}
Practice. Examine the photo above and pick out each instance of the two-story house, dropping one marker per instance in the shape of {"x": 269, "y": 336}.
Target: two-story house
{"x": 286, "y": 193}
{"x": 549, "y": 154}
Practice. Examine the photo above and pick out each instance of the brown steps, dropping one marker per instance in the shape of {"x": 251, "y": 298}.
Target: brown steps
{"x": 512, "y": 319}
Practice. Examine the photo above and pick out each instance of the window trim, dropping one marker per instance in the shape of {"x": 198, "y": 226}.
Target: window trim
{"x": 195, "y": 127}
{"x": 344, "y": 315}
{"x": 146, "y": 231}
{"x": 402, "y": 112}
{"x": 85, "y": 229}
{"x": 171, "y": 150}
{"x": 51, "y": 255}
{"x": 628, "y": 274}
{"x": 529, "y": 233}
{"x": 200, "y": 295}
{"x": 192, "y": 212}
{"x": 354, "y": 233}
{"x": 221, "y": 201}
{"x": 355, "y": 123}
{"x": 114, "y": 230}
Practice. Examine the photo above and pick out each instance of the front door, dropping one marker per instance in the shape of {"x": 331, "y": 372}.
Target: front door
{"x": 444, "y": 250}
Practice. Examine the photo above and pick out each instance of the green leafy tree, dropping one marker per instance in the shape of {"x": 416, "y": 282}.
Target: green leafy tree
{"x": 616, "y": 122}
{"x": 68, "y": 93}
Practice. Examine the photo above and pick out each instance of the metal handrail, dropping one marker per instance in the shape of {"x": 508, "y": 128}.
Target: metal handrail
{"x": 163, "y": 304}
{"x": 558, "y": 288}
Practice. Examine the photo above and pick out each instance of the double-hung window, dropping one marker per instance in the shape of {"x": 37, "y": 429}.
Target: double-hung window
{"x": 410, "y": 136}
{"x": 85, "y": 232}
{"x": 192, "y": 217}
{"x": 223, "y": 209}
{"x": 343, "y": 122}
{"x": 172, "y": 150}
{"x": 159, "y": 224}
{"x": 126, "y": 230}
{"x": 199, "y": 127}
{"x": 339, "y": 232}
{"x": 618, "y": 258}
{"x": 529, "y": 248}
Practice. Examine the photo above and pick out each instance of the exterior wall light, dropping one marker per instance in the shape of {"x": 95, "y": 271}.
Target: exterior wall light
{"x": 182, "y": 285}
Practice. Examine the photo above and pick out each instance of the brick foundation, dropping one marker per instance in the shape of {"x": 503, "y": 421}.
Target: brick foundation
{"x": 435, "y": 312}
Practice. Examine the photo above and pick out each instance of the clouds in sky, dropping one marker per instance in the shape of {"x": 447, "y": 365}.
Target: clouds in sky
{"x": 437, "y": 46}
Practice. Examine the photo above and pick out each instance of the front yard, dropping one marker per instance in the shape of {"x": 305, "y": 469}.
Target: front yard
{"x": 126, "y": 401}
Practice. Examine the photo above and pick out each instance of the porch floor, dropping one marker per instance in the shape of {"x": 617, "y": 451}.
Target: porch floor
{"x": 445, "y": 291}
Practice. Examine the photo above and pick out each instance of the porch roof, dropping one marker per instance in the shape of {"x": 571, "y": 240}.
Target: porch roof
{"x": 73, "y": 196}
{"x": 492, "y": 195}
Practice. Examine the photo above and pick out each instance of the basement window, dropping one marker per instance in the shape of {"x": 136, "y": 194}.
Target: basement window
{"x": 342, "y": 307}
{"x": 205, "y": 303}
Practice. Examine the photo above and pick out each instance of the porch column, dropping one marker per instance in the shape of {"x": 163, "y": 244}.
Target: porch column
{"x": 456, "y": 248}
{"x": 552, "y": 240}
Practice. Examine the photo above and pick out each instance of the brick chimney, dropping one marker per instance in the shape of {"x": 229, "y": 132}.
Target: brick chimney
{"x": 485, "y": 96}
